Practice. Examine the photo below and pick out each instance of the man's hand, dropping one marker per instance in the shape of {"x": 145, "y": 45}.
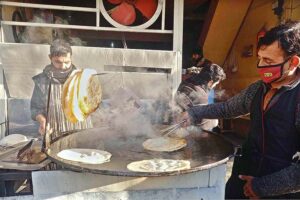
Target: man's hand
{"x": 184, "y": 116}
{"x": 42, "y": 121}
{"x": 248, "y": 191}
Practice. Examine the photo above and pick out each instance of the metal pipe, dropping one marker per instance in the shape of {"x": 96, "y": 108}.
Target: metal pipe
{"x": 163, "y": 17}
{"x": 47, "y": 6}
{"x": 98, "y": 13}
{"x": 44, "y": 142}
{"x": 115, "y": 72}
{"x": 32, "y": 24}
{"x": 2, "y": 34}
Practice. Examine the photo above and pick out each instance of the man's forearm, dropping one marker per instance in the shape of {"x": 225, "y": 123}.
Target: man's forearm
{"x": 229, "y": 109}
{"x": 283, "y": 182}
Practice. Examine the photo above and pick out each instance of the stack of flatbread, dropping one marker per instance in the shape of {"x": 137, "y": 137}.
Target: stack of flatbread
{"x": 164, "y": 144}
{"x": 159, "y": 165}
{"x": 81, "y": 95}
{"x": 86, "y": 156}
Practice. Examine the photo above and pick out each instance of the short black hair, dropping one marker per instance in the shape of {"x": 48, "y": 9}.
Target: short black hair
{"x": 198, "y": 50}
{"x": 212, "y": 72}
{"x": 60, "y": 47}
{"x": 287, "y": 35}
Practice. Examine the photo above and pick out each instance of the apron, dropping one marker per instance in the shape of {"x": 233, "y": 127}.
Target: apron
{"x": 56, "y": 117}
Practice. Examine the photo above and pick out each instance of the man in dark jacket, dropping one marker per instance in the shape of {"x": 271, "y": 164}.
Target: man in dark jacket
{"x": 266, "y": 168}
{"x": 57, "y": 73}
{"x": 198, "y": 59}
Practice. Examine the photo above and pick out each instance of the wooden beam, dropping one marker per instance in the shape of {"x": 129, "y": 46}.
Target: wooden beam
{"x": 207, "y": 21}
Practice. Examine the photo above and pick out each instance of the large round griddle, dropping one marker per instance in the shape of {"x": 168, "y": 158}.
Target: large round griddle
{"x": 204, "y": 150}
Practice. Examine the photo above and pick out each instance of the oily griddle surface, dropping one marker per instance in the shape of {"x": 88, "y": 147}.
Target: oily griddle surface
{"x": 204, "y": 150}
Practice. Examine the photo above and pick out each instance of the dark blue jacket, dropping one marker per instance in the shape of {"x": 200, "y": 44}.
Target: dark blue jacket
{"x": 273, "y": 137}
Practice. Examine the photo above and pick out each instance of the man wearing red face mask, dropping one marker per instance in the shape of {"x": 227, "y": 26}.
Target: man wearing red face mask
{"x": 267, "y": 167}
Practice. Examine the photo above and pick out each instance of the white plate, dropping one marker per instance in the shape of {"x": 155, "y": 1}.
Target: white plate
{"x": 13, "y": 139}
{"x": 87, "y": 156}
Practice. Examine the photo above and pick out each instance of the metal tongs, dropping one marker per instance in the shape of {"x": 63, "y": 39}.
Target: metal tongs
{"x": 167, "y": 131}
{"x": 23, "y": 150}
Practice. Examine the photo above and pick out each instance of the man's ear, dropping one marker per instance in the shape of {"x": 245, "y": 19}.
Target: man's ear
{"x": 295, "y": 61}
{"x": 50, "y": 56}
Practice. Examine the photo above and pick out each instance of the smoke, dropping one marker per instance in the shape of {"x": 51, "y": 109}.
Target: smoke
{"x": 223, "y": 95}
{"x": 131, "y": 114}
{"x": 126, "y": 113}
{"x": 135, "y": 102}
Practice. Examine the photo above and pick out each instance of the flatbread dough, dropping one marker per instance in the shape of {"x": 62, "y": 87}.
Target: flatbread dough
{"x": 89, "y": 91}
{"x": 13, "y": 139}
{"x": 159, "y": 165}
{"x": 87, "y": 156}
{"x": 81, "y": 95}
{"x": 79, "y": 115}
{"x": 166, "y": 144}
{"x": 67, "y": 96}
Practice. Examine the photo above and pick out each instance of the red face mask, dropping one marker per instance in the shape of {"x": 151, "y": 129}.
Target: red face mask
{"x": 271, "y": 73}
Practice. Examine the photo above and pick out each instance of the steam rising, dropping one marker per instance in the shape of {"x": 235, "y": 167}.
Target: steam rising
{"x": 129, "y": 115}
{"x": 223, "y": 95}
